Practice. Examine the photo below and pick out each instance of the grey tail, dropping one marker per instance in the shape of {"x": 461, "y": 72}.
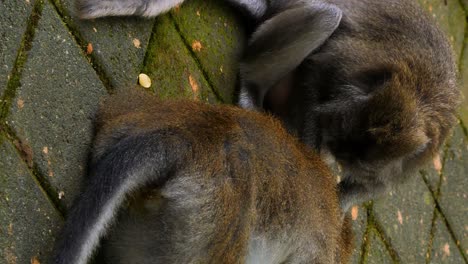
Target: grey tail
{"x": 132, "y": 163}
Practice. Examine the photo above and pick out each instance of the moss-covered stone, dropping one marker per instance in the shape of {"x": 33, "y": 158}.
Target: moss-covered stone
{"x": 377, "y": 253}
{"x": 216, "y": 36}
{"x": 55, "y": 105}
{"x": 28, "y": 221}
{"x": 13, "y": 23}
{"x": 172, "y": 69}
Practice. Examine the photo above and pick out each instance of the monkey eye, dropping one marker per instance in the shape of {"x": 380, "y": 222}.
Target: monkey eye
{"x": 370, "y": 80}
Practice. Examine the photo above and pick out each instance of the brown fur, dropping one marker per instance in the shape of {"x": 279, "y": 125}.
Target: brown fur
{"x": 244, "y": 175}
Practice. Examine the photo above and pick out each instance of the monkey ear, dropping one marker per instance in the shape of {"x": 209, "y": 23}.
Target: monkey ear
{"x": 281, "y": 43}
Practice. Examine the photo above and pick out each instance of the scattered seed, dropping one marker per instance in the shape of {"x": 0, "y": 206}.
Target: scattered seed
{"x": 446, "y": 249}
{"x": 196, "y": 45}
{"x": 136, "y": 43}
{"x": 89, "y": 48}
{"x": 144, "y": 80}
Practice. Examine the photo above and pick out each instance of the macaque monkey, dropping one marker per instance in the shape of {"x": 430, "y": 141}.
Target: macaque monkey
{"x": 187, "y": 182}
{"x": 373, "y": 83}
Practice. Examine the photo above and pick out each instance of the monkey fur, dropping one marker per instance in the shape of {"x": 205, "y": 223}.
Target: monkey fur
{"x": 373, "y": 83}
{"x": 187, "y": 182}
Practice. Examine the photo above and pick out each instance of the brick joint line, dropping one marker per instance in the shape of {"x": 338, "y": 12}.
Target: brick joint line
{"x": 464, "y": 128}
{"x": 20, "y": 60}
{"x": 438, "y": 208}
{"x": 41, "y": 181}
{"x": 375, "y": 224}
{"x": 365, "y": 239}
{"x": 151, "y": 40}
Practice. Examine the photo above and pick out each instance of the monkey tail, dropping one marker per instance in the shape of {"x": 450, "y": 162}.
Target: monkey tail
{"x": 132, "y": 163}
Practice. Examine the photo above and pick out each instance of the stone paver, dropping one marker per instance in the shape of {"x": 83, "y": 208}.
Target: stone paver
{"x": 216, "y": 37}
{"x": 13, "y": 21}
{"x": 444, "y": 249}
{"x": 54, "y": 106}
{"x": 377, "y": 253}
{"x": 119, "y": 44}
{"x": 191, "y": 52}
{"x": 28, "y": 222}
{"x": 174, "y": 72}
{"x": 405, "y": 210}
{"x": 453, "y": 190}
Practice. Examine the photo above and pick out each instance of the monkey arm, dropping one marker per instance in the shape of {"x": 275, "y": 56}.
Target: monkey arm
{"x": 130, "y": 164}
{"x": 280, "y": 44}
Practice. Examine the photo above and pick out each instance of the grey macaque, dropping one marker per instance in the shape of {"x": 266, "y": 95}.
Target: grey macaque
{"x": 373, "y": 83}
{"x": 186, "y": 182}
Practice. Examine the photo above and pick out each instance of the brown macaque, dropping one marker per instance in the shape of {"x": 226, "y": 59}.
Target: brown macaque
{"x": 188, "y": 182}
{"x": 373, "y": 83}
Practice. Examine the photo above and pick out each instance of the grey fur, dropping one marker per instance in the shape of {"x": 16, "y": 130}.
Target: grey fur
{"x": 379, "y": 91}
{"x": 185, "y": 182}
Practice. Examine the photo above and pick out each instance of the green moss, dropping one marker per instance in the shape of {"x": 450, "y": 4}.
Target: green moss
{"x": 220, "y": 32}
{"x": 26, "y": 43}
{"x": 171, "y": 66}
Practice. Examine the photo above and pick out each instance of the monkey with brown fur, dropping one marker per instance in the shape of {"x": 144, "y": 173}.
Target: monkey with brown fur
{"x": 186, "y": 182}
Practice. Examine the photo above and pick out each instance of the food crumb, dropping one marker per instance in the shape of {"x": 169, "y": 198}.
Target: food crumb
{"x": 196, "y": 45}
{"x": 446, "y": 249}
{"x": 136, "y": 43}
{"x": 89, "y": 48}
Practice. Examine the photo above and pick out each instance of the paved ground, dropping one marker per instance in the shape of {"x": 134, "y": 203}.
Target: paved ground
{"x": 54, "y": 69}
